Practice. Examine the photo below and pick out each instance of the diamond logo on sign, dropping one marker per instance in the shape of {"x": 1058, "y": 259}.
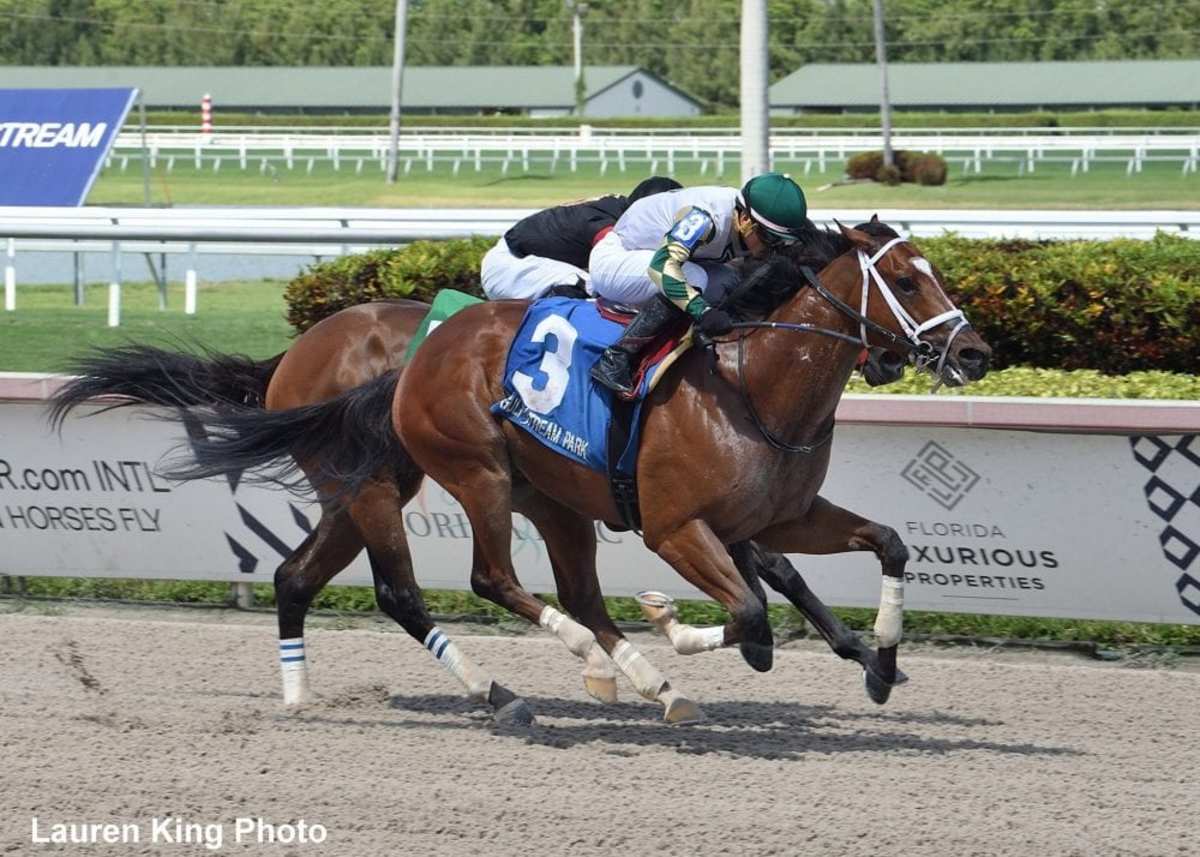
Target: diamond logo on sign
{"x": 1173, "y": 495}
{"x": 939, "y": 475}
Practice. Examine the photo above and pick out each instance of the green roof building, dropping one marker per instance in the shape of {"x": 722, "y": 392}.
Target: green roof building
{"x": 528, "y": 90}
{"x": 990, "y": 86}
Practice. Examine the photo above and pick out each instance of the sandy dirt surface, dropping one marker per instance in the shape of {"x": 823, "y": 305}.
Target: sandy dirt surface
{"x": 124, "y": 716}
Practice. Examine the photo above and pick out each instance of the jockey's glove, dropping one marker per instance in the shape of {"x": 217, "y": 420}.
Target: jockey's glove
{"x": 715, "y": 322}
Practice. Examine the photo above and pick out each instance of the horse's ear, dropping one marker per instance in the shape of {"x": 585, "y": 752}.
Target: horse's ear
{"x": 875, "y": 218}
{"x": 855, "y": 236}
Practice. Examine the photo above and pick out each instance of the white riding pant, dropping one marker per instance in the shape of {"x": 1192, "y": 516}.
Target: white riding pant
{"x": 622, "y": 275}
{"x": 505, "y": 277}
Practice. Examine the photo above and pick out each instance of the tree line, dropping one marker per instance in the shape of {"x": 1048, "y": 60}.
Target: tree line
{"x": 692, "y": 43}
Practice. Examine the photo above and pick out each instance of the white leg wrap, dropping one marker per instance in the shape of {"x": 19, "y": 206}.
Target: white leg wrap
{"x": 648, "y": 681}
{"x": 599, "y": 664}
{"x": 576, "y": 637}
{"x": 889, "y": 622}
{"x": 477, "y": 683}
{"x": 689, "y": 640}
{"x": 294, "y": 670}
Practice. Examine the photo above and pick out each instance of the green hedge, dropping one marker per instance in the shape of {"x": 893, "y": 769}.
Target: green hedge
{"x": 1114, "y": 306}
{"x": 415, "y": 271}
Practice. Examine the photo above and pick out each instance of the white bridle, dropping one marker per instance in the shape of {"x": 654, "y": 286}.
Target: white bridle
{"x": 927, "y": 353}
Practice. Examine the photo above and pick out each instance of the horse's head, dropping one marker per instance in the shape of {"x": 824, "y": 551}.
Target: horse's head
{"x": 909, "y": 315}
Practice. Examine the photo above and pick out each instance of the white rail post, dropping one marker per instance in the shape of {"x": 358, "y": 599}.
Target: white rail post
{"x": 10, "y": 277}
{"x": 114, "y": 288}
{"x": 243, "y": 595}
{"x": 189, "y": 283}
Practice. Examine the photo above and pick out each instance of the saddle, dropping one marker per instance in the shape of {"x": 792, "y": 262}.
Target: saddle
{"x": 660, "y": 354}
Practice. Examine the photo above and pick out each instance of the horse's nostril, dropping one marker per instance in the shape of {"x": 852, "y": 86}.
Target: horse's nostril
{"x": 973, "y": 356}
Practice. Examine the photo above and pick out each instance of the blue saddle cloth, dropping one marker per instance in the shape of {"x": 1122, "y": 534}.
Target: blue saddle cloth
{"x": 549, "y": 392}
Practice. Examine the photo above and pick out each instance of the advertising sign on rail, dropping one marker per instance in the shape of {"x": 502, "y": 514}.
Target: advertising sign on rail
{"x": 1002, "y": 522}
{"x": 53, "y": 142}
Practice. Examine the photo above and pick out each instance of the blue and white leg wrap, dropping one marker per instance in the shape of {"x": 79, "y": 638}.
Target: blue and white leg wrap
{"x": 451, "y": 657}
{"x": 294, "y": 669}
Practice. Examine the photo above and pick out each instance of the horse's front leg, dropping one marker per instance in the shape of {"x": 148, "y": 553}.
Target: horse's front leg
{"x": 697, "y": 554}
{"x": 777, "y": 572}
{"x": 659, "y": 609}
{"x": 829, "y": 529}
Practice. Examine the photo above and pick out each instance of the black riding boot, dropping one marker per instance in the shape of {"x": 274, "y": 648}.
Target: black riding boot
{"x": 614, "y": 369}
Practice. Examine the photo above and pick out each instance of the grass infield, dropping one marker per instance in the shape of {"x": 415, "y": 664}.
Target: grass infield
{"x": 1159, "y": 185}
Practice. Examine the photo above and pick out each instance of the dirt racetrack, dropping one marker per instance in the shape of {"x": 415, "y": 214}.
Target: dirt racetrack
{"x": 126, "y": 715}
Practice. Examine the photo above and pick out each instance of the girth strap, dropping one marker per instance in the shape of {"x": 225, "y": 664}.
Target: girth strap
{"x": 623, "y": 485}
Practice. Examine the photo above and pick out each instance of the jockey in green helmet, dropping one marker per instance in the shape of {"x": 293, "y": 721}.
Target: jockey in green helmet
{"x": 690, "y": 232}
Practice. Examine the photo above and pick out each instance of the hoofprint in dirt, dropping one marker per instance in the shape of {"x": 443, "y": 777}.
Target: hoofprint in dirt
{"x": 125, "y": 720}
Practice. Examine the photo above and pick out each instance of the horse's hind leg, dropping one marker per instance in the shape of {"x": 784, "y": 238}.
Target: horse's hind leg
{"x": 782, "y": 576}
{"x": 829, "y": 529}
{"x": 376, "y": 512}
{"x": 571, "y": 545}
{"x": 571, "y": 542}
{"x": 327, "y": 550}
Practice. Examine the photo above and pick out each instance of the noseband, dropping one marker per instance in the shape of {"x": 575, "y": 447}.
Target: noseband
{"x": 924, "y": 352}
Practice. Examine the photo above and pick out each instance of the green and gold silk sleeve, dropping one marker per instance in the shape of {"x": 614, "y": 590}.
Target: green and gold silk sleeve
{"x": 692, "y": 228}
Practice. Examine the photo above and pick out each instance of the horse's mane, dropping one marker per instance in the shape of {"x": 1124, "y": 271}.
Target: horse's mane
{"x": 771, "y": 280}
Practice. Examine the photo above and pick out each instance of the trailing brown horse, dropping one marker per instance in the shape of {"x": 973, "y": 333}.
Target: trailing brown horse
{"x": 728, "y": 456}
{"x": 348, "y": 349}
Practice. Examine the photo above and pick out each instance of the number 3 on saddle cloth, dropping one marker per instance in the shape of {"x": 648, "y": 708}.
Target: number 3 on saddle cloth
{"x": 551, "y": 396}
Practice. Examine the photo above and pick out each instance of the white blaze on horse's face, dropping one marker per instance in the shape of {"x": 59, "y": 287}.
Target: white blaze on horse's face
{"x": 922, "y": 265}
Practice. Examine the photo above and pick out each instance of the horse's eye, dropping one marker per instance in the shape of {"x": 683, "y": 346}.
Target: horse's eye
{"x": 906, "y": 285}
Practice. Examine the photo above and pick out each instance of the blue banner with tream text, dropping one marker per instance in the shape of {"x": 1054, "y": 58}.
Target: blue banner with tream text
{"x": 550, "y": 394}
{"x": 54, "y": 141}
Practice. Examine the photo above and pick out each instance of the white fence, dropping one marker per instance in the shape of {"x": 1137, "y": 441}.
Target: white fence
{"x": 712, "y": 150}
{"x": 336, "y": 231}
{"x": 1033, "y": 507}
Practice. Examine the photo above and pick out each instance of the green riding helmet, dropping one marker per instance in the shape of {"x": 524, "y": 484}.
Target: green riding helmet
{"x": 776, "y": 204}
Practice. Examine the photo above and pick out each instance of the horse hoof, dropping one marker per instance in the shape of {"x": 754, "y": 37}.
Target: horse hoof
{"x": 515, "y": 713}
{"x": 602, "y": 688}
{"x": 877, "y": 689}
{"x": 681, "y": 711}
{"x": 759, "y": 657}
{"x": 657, "y": 608}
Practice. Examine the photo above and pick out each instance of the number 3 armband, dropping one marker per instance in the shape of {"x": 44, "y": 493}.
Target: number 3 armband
{"x": 692, "y": 229}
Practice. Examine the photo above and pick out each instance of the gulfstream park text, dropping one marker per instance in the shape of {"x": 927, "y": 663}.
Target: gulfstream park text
{"x": 47, "y": 135}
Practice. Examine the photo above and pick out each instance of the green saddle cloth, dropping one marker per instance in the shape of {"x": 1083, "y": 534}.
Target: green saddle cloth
{"x": 446, "y": 304}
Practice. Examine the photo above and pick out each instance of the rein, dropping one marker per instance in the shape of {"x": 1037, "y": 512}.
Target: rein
{"x": 921, "y": 352}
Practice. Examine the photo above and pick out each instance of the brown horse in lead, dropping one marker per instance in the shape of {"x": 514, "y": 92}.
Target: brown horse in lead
{"x": 728, "y": 456}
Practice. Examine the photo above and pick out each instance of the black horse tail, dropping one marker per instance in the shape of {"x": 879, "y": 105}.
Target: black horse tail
{"x": 346, "y": 441}
{"x": 145, "y": 375}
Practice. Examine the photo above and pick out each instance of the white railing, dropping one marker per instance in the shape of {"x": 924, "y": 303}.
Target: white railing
{"x": 712, "y": 150}
{"x": 336, "y": 231}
